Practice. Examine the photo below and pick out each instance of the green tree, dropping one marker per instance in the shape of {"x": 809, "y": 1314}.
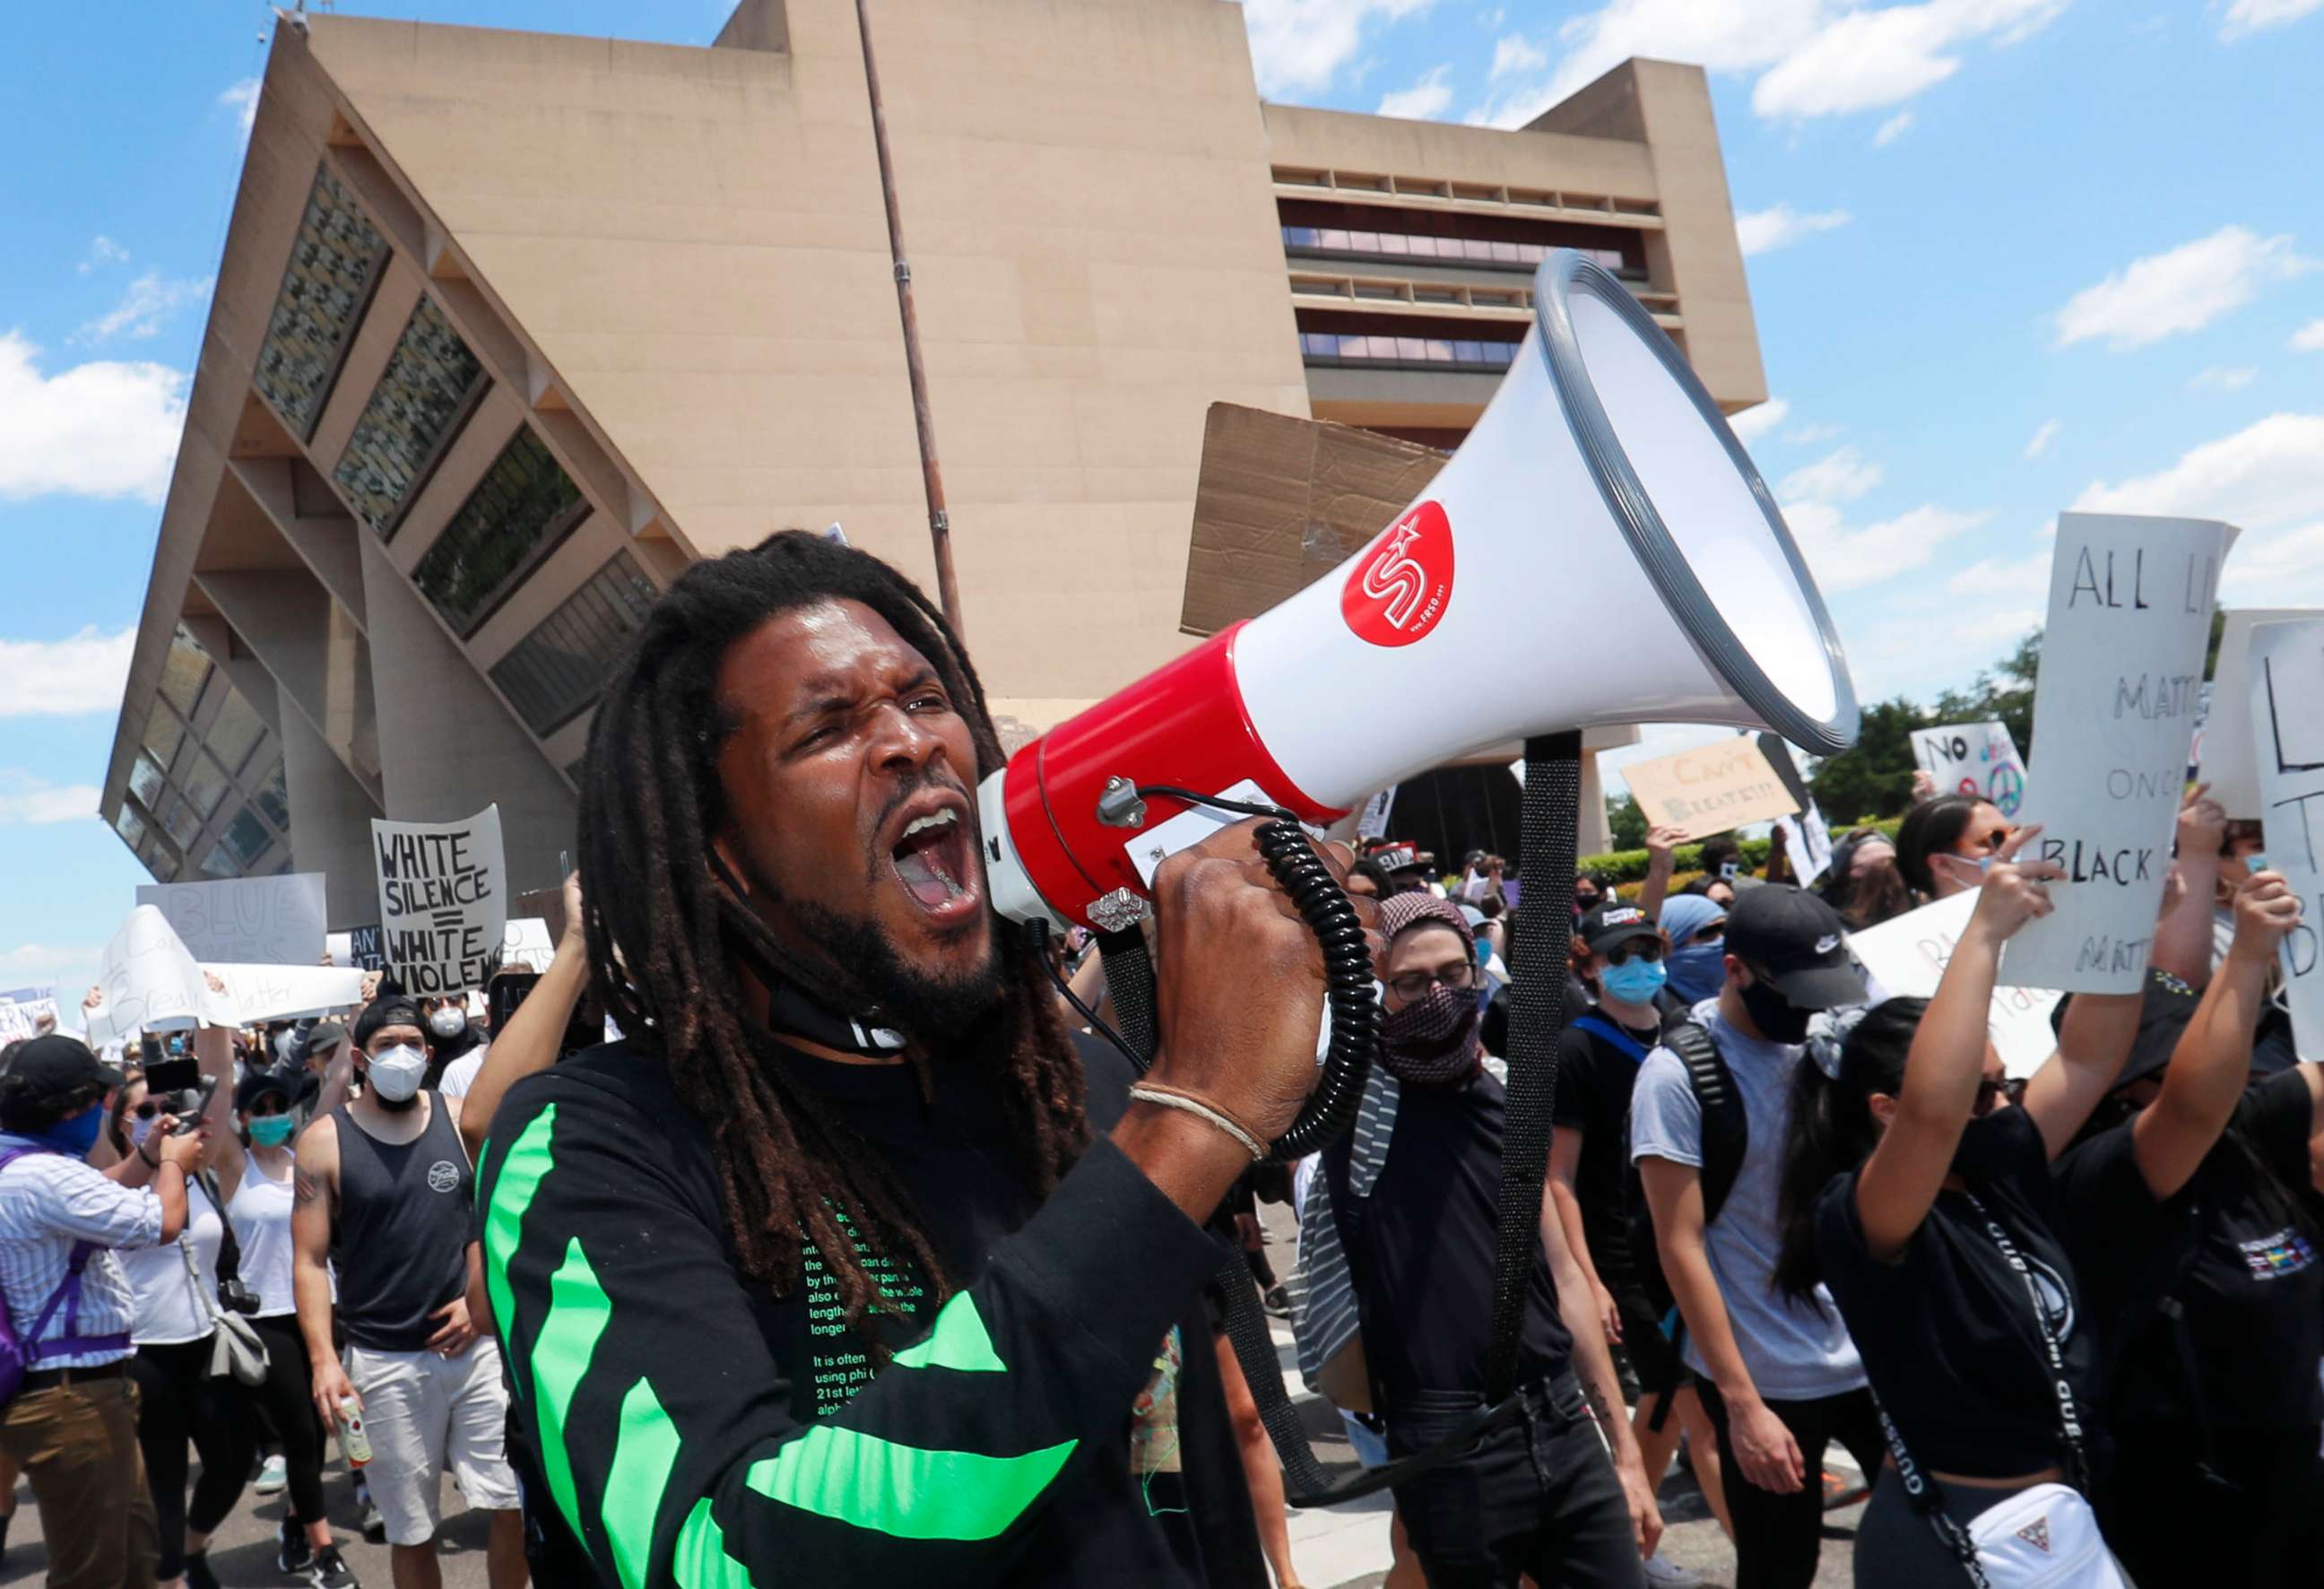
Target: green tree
{"x": 1626, "y": 823}
{"x": 1875, "y": 777}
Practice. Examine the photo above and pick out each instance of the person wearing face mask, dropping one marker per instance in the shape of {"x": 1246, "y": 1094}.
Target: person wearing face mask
{"x": 455, "y": 1046}
{"x": 387, "y": 1175}
{"x": 1918, "y": 1191}
{"x": 1939, "y": 833}
{"x": 1415, "y": 1202}
{"x": 72, "y": 1424}
{"x": 1779, "y": 1382}
{"x": 1696, "y": 927}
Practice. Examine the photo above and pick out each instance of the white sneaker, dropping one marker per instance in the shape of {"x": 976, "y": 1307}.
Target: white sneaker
{"x": 1662, "y": 1571}
{"x": 272, "y": 1477}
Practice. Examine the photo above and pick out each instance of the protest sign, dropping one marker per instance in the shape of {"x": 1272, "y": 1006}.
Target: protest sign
{"x": 1713, "y": 789}
{"x": 255, "y": 920}
{"x": 358, "y": 947}
{"x": 152, "y": 983}
{"x": 2114, "y": 713}
{"x": 2287, "y": 723}
{"x": 20, "y": 1010}
{"x": 1975, "y": 759}
{"x": 1907, "y": 956}
{"x": 443, "y": 901}
{"x": 1807, "y": 842}
{"x": 1371, "y": 822}
{"x": 2229, "y": 762}
{"x": 285, "y": 993}
{"x": 526, "y": 945}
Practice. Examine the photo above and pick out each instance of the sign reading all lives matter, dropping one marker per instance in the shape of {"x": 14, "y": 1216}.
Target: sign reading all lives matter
{"x": 443, "y": 901}
{"x": 1975, "y": 759}
{"x": 246, "y": 920}
{"x": 1714, "y": 788}
{"x": 2287, "y": 717}
{"x": 2114, "y": 715}
{"x": 1907, "y": 956}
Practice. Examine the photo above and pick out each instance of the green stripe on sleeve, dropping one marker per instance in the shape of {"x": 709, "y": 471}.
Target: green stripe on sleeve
{"x": 959, "y": 1341}
{"x": 578, "y": 1312}
{"x": 903, "y": 1491}
{"x": 701, "y": 1561}
{"x": 522, "y": 1171}
{"x": 644, "y": 1454}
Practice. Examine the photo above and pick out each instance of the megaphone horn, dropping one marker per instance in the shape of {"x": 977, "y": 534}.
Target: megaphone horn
{"x": 1602, "y": 480}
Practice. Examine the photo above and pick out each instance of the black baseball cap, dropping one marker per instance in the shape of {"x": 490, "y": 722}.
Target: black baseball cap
{"x": 257, "y": 1083}
{"x": 1614, "y": 922}
{"x": 56, "y": 1066}
{"x": 1798, "y": 942}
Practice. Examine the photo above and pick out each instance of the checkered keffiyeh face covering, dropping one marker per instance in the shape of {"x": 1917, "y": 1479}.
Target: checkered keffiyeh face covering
{"x": 1432, "y": 1041}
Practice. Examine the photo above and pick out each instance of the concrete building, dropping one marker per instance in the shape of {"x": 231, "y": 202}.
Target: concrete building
{"x": 511, "y": 328}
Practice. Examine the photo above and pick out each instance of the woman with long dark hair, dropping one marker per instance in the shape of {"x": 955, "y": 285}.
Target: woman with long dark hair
{"x": 1921, "y": 1197}
{"x": 1863, "y": 884}
{"x": 1959, "y": 825}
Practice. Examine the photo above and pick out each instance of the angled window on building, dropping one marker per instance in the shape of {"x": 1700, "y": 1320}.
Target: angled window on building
{"x": 184, "y": 671}
{"x": 335, "y": 265}
{"x": 201, "y": 782}
{"x": 557, "y": 670}
{"x": 220, "y": 863}
{"x": 517, "y": 515}
{"x": 273, "y": 798}
{"x": 159, "y": 858}
{"x": 430, "y": 381}
{"x": 129, "y": 824}
{"x": 145, "y": 781}
{"x": 246, "y": 838}
{"x": 234, "y": 732}
{"x": 164, "y": 733}
{"x": 181, "y": 820}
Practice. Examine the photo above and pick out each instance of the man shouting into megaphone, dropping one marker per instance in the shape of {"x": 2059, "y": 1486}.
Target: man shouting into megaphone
{"x": 846, "y": 1266}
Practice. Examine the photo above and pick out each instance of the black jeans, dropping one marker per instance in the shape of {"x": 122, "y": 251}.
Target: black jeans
{"x": 1896, "y": 1547}
{"x": 288, "y": 1397}
{"x": 178, "y": 1401}
{"x": 1777, "y": 1537}
{"x": 2170, "y": 1524}
{"x": 1538, "y": 1496}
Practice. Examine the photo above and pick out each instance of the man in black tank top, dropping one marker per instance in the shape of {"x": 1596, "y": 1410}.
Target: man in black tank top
{"x": 385, "y": 1179}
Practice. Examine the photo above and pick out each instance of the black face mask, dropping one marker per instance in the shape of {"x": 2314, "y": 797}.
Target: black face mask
{"x": 1779, "y": 1020}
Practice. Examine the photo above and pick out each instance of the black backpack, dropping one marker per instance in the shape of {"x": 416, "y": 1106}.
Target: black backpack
{"x": 1726, "y": 1133}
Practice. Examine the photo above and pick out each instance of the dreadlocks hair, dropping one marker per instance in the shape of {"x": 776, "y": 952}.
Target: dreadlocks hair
{"x": 793, "y": 1175}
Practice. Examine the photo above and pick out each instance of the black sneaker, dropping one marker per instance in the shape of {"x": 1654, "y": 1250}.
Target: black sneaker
{"x": 292, "y": 1553}
{"x": 330, "y": 1571}
{"x": 198, "y": 1571}
{"x": 1277, "y": 1301}
{"x": 374, "y": 1527}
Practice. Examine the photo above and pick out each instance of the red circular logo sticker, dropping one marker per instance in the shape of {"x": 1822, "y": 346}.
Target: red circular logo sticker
{"x": 1402, "y": 583}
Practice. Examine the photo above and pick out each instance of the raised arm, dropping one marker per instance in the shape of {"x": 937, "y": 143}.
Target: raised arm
{"x": 2182, "y": 937}
{"x": 1662, "y": 850}
{"x": 338, "y": 1080}
{"x": 1914, "y": 1154}
{"x": 1594, "y": 1366}
{"x": 530, "y": 1040}
{"x": 2212, "y": 1061}
{"x": 212, "y": 1048}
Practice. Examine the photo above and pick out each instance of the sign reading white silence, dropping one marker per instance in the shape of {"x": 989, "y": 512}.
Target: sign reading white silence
{"x": 443, "y": 901}
{"x": 2287, "y": 719}
{"x": 1907, "y": 956}
{"x": 1975, "y": 759}
{"x": 2114, "y": 713}
{"x": 246, "y": 920}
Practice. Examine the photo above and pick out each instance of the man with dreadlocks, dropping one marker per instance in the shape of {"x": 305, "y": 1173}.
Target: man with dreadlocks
{"x": 845, "y": 1266}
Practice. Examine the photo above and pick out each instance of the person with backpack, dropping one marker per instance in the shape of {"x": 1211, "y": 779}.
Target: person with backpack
{"x": 2189, "y": 1223}
{"x": 71, "y": 1418}
{"x": 1709, "y": 1117}
{"x": 1917, "y": 1202}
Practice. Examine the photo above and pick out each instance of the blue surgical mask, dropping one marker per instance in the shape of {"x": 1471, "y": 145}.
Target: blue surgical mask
{"x": 1698, "y": 971}
{"x": 77, "y": 1135}
{"x": 1635, "y": 981}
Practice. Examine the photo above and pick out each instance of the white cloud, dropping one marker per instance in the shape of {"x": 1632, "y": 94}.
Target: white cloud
{"x": 2021, "y": 579}
{"x": 2041, "y": 438}
{"x": 1845, "y": 559}
{"x": 2222, "y": 378}
{"x": 1891, "y": 129}
{"x": 1736, "y": 36}
{"x": 1841, "y": 476}
{"x": 148, "y": 301}
{"x": 1868, "y": 59}
{"x": 1299, "y": 45}
{"x": 1517, "y": 53}
{"x": 242, "y": 97}
{"x": 1754, "y": 425}
{"x": 2180, "y": 290}
{"x": 1819, "y": 431}
{"x": 27, "y": 801}
{"x": 1430, "y": 97}
{"x": 2247, "y": 17}
{"x": 2267, "y": 477}
{"x": 101, "y": 250}
{"x": 84, "y": 673}
{"x": 102, "y": 429}
{"x": 1762, "y": 231}
{"x": 2308, "y": 339}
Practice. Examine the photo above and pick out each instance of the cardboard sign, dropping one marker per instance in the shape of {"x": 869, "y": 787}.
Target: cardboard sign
{"x": 1907, "y": 956}
{"x": 246, "y": 920}
{"x": 2287, "y": 723}
{"x": 1714, "y": 788}
{"x": 443, "y": 901}
{"x": 20, "y": 1010}
{"x": 2114, "y": 713}
{"x": 286, "y": 993}
{"x": 152, "y": 983}
{"x": 1975, "y": 759}
{"x": 1371, "y": 822}
{"x": 2229, "y": 762}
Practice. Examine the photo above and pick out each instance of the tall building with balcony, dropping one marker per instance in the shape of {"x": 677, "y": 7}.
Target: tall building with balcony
{"x": 510, "y": 329}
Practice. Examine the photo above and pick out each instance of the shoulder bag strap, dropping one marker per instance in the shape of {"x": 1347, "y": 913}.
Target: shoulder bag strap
{"x": 1613, "y": 1034}
{"x": 229, "y": 1257}
{"x": 1714, "y": 1090}
{"x": 2070, "y": 1422}
{"x": 1927, "y": 1499}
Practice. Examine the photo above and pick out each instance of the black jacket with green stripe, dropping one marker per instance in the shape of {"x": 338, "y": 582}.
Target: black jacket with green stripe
{"x": 692, "y": 1430}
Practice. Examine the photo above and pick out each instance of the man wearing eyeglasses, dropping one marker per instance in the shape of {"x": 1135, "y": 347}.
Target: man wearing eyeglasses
{"x": 1415, "y": 1196}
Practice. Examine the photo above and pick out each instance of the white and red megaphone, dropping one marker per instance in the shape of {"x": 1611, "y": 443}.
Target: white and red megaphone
{"x": 1602, "y": 472}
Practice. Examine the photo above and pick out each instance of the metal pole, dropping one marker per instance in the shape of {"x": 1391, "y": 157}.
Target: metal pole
{"x": 931, "y": 472}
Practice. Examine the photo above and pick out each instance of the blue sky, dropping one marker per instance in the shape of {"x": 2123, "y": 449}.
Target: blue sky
{"x": 2007, "y": 256}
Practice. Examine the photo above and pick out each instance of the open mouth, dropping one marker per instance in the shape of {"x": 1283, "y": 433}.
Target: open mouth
{"x": 932, "y": 861}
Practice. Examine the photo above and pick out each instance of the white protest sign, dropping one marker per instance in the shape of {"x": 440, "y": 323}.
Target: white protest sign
{"x": 2114, "y": 715}
{"x": 1371, "y": 822}
{"x": 252, "y": 920}
{"x": 1807, "y": 842}
{"x": 20, "y": 1010}
{"x": 152, "y": 983}
{"x": 443, "y": 901}
{"x": 1977, "y": 759}
{"x": 2229, "y": 762}
{"x": 286, "y": 993}
{"x": 2287, "y": 723}
{"x": 526, "y": 945}
{"x": 1907, "y": 956}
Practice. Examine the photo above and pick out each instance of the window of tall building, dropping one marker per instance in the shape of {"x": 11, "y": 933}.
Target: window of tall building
{"x": 181, "y": 820}
{"x": 159, "y": 858}
{"x": 234, "y": 732}
{"x": 430, "y": 381}
{"x": 200, "y": 781}
{"x": 129, "y": 824}
{"x": 145, "y": 781}
{"x": 219, "y": 865}
{"x": 164, "y": 733}
{"x": 246, "y": 838}
{"x": 274, "y": 797}
{"x": 184, "y": 671}
{"x": 518, "y": 512}
{"x": 557, "y": 670}
{"x": 335, "y": 265}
